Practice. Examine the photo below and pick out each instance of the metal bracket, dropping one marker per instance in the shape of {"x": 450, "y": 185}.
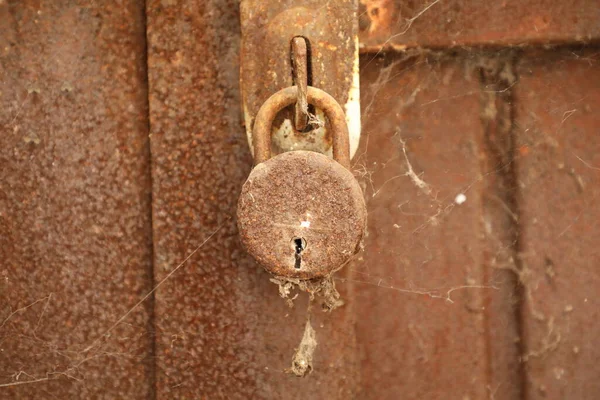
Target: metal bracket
{"x": 331, "y": 31}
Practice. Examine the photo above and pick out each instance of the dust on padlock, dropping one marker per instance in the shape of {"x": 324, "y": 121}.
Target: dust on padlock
{"x": 301, "y": 215}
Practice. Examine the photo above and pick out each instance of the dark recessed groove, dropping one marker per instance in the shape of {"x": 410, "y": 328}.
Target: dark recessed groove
{"x": 498, "y": 79}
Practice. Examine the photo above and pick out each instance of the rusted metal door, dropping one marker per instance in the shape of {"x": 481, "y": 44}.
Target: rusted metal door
{"x": 123, "y": 152}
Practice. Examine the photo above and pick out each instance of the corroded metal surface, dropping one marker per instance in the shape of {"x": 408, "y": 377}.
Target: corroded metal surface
{"x": 75, "y": 231}
{"x": 435, "y": 305}
{"x": 558, "y": 115}
{"x": 426, "y": 289}
{"x": 398, "y": 24}
{"x": 301, "y": 215}
{"x": 222, "y": 329}
{"x": 285, "y": 97}
{"x": 300, "y": 73}
{"x": 267, "y": 31}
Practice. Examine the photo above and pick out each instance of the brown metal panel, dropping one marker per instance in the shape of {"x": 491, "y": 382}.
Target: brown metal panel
{"x": 558, "y": 98}
{"x": 222, "y": 329}
{"x": 441, "y": 23}
{"x": 75, "y": 231}
{"x": 429, "y": 305}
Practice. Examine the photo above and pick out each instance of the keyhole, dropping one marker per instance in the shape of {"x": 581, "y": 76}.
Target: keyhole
{"x": 299, "y": 246}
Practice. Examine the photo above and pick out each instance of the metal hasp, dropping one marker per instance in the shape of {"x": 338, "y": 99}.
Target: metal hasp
{"x": 300, "y": 73}
{"x": 301, "y": 214}
{"x": 330, "y": 29}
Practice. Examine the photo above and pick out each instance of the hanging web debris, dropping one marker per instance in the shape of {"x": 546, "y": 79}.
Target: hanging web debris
{"x": 323, "y": 288}
{"x": 302, "y": 362}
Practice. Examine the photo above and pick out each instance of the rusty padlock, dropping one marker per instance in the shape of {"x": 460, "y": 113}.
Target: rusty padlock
{"x": 301, "y": 214}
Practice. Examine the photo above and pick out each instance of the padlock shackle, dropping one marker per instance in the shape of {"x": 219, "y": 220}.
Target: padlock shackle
{"x": 261, "y": 134}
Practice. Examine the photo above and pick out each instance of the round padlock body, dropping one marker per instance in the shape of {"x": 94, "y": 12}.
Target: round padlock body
{"x": 301, "y": 215}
